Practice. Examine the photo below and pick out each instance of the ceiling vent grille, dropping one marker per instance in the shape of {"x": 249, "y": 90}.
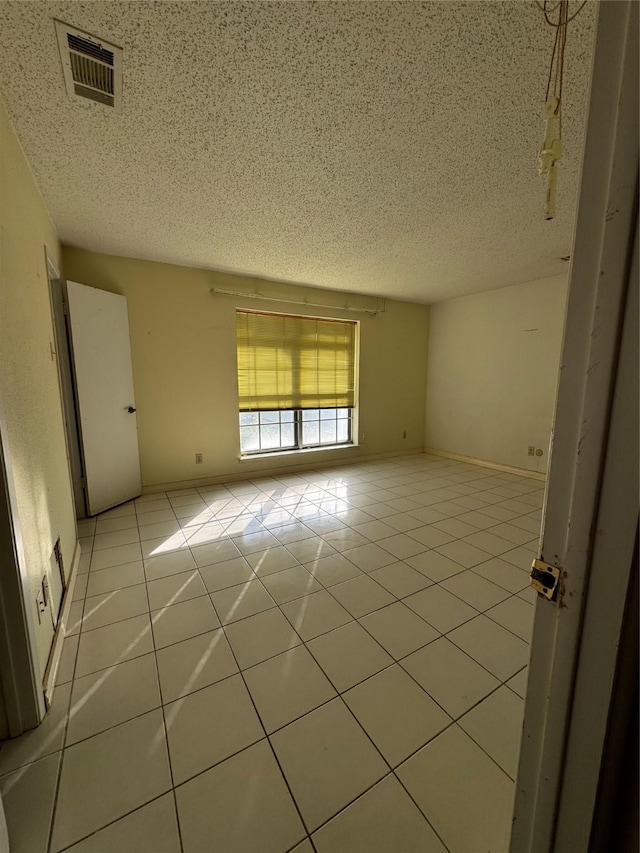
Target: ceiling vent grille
{"x": 92, "y": 68}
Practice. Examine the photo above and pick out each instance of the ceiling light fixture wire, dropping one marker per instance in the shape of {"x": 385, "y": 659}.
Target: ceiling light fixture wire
{"x": 557, "y": 16}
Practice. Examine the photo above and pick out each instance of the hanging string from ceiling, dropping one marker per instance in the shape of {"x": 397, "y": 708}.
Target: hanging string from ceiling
{"x": 557, "y": 15}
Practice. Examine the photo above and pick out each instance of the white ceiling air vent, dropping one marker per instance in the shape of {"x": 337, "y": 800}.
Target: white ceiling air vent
{"x": 92, "y": 68}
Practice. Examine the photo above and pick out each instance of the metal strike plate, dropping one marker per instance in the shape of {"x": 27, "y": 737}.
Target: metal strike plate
{"x": 544, "y": 579}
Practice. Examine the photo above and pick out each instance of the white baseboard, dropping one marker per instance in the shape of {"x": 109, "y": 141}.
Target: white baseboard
{"x": 314, "y": 463}
{"x": 508, "y": 469}
{"x": 51, "y": 671}
{"x": 308, "y": 464}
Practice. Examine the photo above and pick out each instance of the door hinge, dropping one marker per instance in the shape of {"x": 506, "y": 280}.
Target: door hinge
{"x": 544, "y": 579}
{"x": 65, "y": 308}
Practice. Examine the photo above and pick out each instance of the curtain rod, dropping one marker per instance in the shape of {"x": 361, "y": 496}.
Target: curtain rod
{"x": 217, "y": 291}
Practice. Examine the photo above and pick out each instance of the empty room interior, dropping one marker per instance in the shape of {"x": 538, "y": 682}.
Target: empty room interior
{"x": 283, "y": 294}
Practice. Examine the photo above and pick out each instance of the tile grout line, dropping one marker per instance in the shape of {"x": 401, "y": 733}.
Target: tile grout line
{"x": 273, "y": 752}
{"x": 453, "y": 719}
{"x": 394, "y": 662}
{"x": 365, "y": 573}
{"x": 112, "y": 822}
{"x": 397, "y": 662}
{"x": 102, "y": 731}
{"x": 61, "y": 764}
{"x": 164, "y": 726}
{"x": 382, "y": 607}
{"x": 164, "y": 719}
{"x": 320, "y": 534}
{"x": 441, "y": 634}
{"x": 392, "y": 769}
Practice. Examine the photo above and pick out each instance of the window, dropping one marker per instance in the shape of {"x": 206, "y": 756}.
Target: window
{"x": 296, "y": 381}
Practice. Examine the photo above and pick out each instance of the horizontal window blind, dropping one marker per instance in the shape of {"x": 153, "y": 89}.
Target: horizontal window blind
{"x": 287, "y": 362}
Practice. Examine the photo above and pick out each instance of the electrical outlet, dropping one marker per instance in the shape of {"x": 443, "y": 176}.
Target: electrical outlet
{"x": 198, "y": 458}
{"x": 531, "y": 451}
{"x": 539, "y": 452}
{"x": 41, "y": 605}
{"x": 45, "y": 590}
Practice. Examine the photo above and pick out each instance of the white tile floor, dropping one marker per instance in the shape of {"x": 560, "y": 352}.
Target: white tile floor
{"x": 332, "y": 661}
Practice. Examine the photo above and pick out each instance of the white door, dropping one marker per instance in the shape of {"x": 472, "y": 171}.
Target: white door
{"x": 99, "y": 326}
{"x": 65, "y": 373}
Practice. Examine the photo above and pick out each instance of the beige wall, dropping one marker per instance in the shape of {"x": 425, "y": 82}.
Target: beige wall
{"x": 31, "y": 411}
{"x": 493, "y": 366}
{"x": 184, "y": 365}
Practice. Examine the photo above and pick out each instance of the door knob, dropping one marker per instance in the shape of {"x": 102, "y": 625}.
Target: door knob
{"x": 131, "y": 410}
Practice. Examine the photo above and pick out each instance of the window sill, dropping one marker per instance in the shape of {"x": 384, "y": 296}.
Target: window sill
{"x": 279, "y": 453}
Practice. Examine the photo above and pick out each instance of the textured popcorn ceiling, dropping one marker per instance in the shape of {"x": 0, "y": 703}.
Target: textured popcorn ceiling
{"x": 384, "y": 148}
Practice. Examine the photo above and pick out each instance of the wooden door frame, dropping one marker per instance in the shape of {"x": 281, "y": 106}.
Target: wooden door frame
{"x": 591, "y": 503}
{"x": 20, "y": 673}
{"x": 67, "y": 391}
